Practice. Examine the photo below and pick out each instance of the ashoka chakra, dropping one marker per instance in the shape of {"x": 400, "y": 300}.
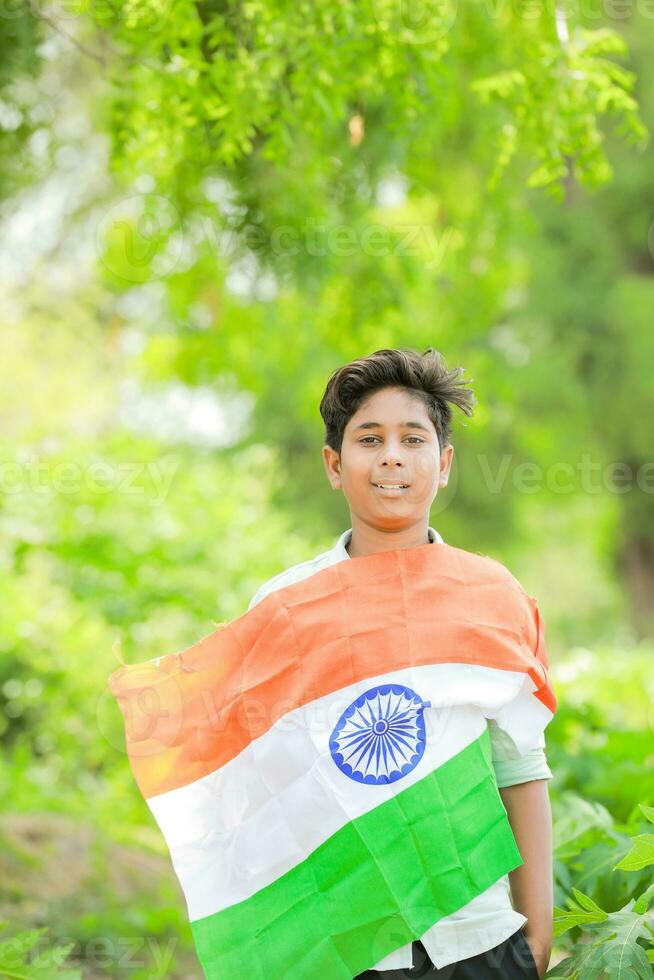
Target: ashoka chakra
{"x": 380, "y": 737}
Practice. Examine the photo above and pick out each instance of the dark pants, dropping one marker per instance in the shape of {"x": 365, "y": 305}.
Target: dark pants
{"x": 511, "y": 960}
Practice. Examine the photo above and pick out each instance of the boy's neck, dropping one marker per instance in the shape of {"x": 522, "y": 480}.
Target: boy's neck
{"x": 369, "y": 540}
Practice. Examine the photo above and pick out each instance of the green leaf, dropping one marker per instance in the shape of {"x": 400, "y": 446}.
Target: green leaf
{"x": 640, "y": 856}
{"x": 587, "y": 903}
{"x": 648, "y": 811}
{"x": 582, "y": 912}
{"x": 642, "y": 902}
{"x": 615, "y": 951}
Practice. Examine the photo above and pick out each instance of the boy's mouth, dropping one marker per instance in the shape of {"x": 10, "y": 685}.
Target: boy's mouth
{"x": 391, "y": 486}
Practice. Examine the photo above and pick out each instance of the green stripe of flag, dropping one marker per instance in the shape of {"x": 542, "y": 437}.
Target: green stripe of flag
{"x": 375, "y": 885}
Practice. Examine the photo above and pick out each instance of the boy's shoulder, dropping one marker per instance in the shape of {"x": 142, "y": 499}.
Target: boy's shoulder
{"x": 476, "y": 567}
{"x": 499, "y": 570}
{"x": 295, "y": 573}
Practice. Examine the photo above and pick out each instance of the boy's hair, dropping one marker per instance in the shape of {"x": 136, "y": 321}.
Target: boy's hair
{"x": 424, "y": 375}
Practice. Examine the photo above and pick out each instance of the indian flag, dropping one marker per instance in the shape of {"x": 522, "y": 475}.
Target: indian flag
{"x": 320, "y": 767}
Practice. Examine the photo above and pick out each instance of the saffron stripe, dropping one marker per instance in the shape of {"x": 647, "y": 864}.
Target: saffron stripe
{"x": 188, "y": 713}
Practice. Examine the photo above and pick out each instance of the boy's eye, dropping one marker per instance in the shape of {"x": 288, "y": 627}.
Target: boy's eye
{"x": 365, "y": 438}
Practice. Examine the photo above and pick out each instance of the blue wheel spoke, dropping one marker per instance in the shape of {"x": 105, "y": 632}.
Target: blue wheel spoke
{"x": 361, "y": 749}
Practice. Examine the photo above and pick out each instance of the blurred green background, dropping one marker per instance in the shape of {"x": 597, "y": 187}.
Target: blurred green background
{"x": 208, "y": 207}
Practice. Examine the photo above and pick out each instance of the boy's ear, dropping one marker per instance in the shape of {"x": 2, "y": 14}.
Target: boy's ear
{"x": 447, "y": 454}
{"x": 332, "y": 461}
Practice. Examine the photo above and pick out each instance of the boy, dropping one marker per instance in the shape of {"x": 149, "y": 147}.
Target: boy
{"x": 387, "y": 447}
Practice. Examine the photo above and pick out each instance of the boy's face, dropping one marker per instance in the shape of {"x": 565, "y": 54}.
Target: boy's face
{"x": 379, "y": 447}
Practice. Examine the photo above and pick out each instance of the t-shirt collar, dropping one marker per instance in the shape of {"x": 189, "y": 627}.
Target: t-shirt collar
{"x": 341, "y": 550}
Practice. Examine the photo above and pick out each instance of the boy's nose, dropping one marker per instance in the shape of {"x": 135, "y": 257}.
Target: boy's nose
{"x": 391, "y": 455}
